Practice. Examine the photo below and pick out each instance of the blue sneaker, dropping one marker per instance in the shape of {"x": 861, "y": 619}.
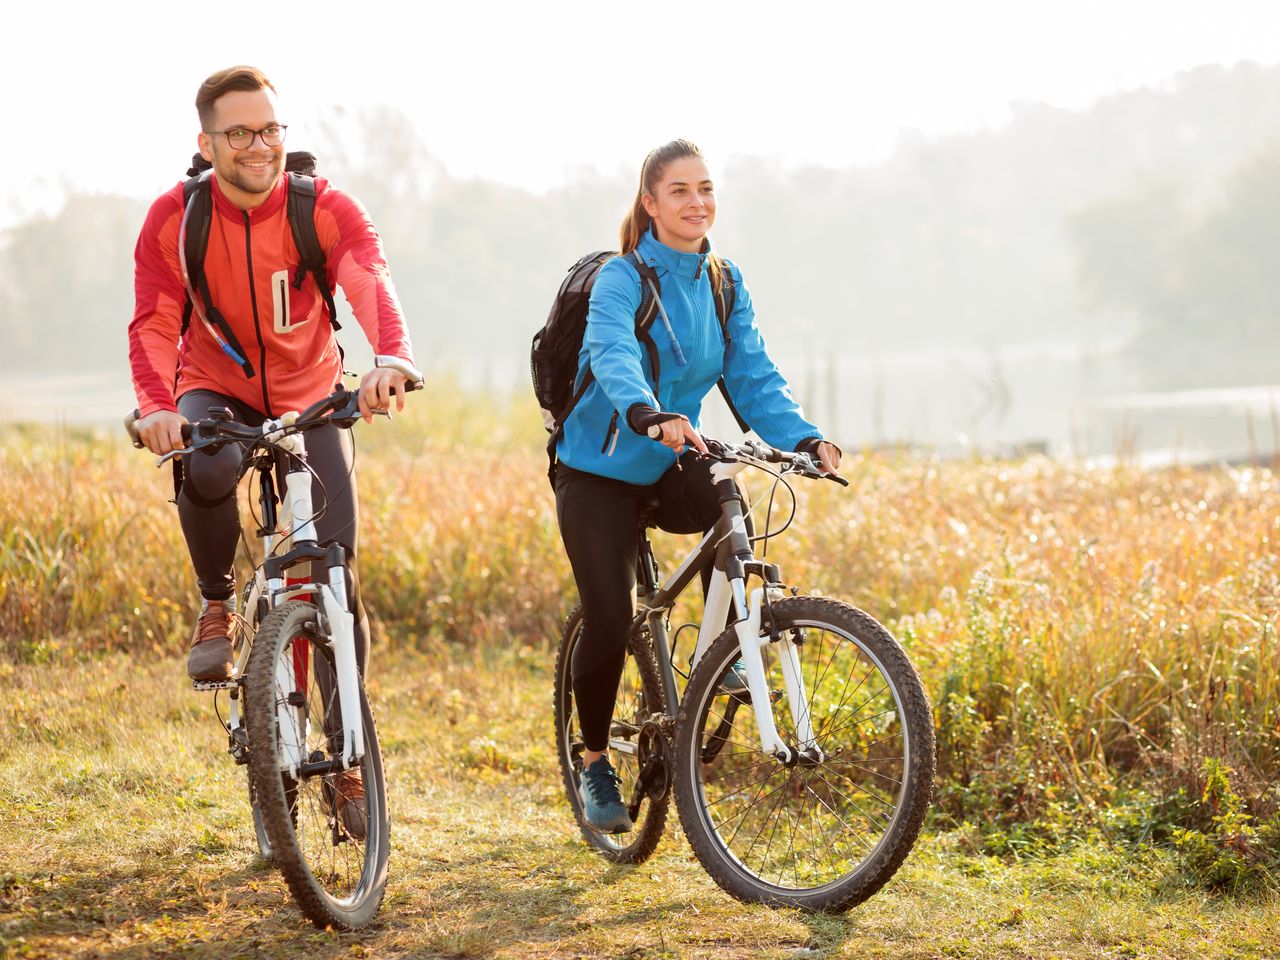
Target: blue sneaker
{"x": 602, "y": 803}
{"x": 735, "y": 681}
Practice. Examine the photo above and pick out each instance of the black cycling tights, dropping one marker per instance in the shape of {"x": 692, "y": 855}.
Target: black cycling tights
{"x": 210, "y": 516}
{"x": 599, "y": 520}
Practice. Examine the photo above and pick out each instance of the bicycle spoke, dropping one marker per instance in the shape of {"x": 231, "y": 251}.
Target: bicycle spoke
{"x": 869, "y": 816}
{"x": 738, "y": 770}
{"x": 840, "y": 818}
{"x": 868, "y": 792}
{"x": 844, "y": 724}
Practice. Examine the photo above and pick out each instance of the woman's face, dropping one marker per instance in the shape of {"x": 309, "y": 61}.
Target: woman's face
{"x": 683, "y": 204}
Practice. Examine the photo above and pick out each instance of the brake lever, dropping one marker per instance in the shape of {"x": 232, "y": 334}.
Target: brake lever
{"x": 174, "y": 453}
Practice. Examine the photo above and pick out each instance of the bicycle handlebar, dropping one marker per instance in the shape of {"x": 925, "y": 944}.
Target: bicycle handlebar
{"x": 346, "y": 400}
{"x": 802, "y": 463}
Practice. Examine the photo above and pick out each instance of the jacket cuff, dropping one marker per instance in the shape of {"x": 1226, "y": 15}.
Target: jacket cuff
{"x": 641, "y": 416}
{"x": 809, "y": 445}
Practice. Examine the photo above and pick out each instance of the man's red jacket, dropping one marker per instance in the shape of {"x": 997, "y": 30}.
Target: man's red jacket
{"x": 250, "y": 265}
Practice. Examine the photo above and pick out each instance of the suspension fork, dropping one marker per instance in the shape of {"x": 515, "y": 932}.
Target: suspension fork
{"x": 734, "y": 558}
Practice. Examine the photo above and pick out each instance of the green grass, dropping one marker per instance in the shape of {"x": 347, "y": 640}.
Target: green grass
{"x": 128, "y": 836}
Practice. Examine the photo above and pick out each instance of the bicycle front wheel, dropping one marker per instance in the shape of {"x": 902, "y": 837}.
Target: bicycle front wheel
{"x": 327, "y": 832}
{"x": 826, "y": 830}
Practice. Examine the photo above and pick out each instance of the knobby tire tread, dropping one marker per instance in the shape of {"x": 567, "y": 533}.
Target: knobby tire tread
{"x": 872, "y": 874}
{"x": 279, "y": 626}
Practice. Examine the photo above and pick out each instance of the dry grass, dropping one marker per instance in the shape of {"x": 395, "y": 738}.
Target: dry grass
{"x": 128, "y": 836}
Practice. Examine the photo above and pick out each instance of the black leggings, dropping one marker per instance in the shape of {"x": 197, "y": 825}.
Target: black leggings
{"x": 599, "y": 523}
{"x": 210, "y": 515}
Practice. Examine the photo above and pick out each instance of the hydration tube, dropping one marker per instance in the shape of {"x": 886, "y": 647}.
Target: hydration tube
{"x": 195, "y": 300}
{"x": 671, "y": 334}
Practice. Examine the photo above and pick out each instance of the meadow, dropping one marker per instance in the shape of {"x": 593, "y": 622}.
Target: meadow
{"x": 1099, "y": 645}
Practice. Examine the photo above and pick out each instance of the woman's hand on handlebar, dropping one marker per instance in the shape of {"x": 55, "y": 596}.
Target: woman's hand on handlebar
{"x": 376, "y": 390}
{"x": 161, "y": 431}
{"x": 829, "y": 458}
{"x": 676, "y": 433}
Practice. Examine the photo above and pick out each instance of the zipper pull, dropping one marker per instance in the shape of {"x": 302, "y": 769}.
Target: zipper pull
{"x": 698, "y": 273}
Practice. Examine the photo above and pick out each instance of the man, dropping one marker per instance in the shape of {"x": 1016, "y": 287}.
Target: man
{"x": 269, "y": 307}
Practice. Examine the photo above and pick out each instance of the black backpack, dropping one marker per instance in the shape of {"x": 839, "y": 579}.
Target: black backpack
{"x": 197, "y": 198}
{"x": 553, "y": 359}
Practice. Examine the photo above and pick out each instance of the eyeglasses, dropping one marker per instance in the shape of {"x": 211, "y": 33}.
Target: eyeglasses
{"x": 241, "y": 138}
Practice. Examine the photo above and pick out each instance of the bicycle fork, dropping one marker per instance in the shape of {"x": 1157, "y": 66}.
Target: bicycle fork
{"x": 728, "y": 583}
{"x": 750, "y": 643}
{"x": 333, "y": 603}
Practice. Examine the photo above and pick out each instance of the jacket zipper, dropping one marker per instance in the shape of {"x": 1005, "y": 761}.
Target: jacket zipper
{"x": 608, "y": 434}
{"x": 677, "y": 387}
{"x": 257, "y": 328}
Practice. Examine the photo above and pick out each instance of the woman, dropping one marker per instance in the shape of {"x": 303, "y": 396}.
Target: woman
{"x": 608, "y": 465}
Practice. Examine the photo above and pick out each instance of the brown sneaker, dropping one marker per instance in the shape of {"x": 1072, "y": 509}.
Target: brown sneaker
{"x": 348, "y": 787}
{"x": 210, "y": 655}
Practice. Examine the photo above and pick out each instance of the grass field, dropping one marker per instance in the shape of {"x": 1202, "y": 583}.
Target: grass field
{"x": 129, "y": 837}
{"x": 1099, "y": 644}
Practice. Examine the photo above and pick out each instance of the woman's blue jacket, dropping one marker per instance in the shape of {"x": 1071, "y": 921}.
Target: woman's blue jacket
{"x": 597, "y": 437}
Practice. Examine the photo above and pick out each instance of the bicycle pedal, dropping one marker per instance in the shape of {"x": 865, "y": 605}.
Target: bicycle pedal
{"x": 202, "y": 685}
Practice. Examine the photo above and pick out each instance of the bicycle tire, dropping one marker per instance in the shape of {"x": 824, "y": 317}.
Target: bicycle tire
{"x": 337, "y": 880}
{"x": 721, "y": 795}
{"x": 245, "y": 627}
{"x": 640, "y": 696}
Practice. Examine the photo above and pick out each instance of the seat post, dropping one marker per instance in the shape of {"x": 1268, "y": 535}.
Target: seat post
{"x": 647, "y": 565}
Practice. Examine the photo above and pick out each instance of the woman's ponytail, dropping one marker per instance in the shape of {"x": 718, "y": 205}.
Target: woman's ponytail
{"x": 634, "y": 224}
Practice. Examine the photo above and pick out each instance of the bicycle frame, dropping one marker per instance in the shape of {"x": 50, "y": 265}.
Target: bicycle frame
{"x": 293, "y": 528}
{"x": 728, "y": 547}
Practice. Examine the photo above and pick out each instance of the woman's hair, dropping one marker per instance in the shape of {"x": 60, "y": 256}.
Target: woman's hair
{"x": 637, "y": 220}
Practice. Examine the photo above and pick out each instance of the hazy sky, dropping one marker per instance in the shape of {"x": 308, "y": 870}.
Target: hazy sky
{"x": 529, "y": 93}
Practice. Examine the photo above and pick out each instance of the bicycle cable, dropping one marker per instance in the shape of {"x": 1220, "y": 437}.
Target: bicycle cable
{"x": 764, "y": 538}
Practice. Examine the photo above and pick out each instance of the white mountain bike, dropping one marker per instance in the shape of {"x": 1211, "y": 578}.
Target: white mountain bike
{"x": 807, "y": 791}
{"x": 298, "y": 715}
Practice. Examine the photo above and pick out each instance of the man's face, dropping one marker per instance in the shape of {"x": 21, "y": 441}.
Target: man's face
{"x": 255, "y": 168}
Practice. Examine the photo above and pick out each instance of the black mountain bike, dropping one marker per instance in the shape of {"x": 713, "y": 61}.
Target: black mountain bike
{"x": 806, "y": 791}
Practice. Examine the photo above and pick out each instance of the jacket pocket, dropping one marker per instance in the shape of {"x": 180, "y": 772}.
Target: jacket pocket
{"x": 611, "y": 434}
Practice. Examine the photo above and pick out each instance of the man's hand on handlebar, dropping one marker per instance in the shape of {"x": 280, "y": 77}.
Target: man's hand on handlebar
{"x": 161, "y": 431}
{"x": 376, "y": 390}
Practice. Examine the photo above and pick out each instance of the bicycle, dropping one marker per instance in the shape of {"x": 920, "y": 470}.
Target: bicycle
{"x": 298, "y": 715}
{"x": 789, "y": 796}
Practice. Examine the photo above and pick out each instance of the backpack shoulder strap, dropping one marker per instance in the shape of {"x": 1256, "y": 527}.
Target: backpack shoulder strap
{"x": 197, "y": 206}
{"x": 650, "y": 290}
{"x": 726, "y": 299}
{"x": 197, "y": 195}
{"x": 302, "y": 222}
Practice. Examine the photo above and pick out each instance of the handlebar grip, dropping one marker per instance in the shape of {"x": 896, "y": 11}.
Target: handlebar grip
{"x": 186, "y": 433}
{"x": 130, "y": 419}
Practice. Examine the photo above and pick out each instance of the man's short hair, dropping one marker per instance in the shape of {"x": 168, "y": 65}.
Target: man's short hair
{"x": 225, "y": 81}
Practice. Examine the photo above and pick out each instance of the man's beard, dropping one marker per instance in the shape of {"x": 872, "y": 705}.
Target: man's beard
{"x": 237, "y": 179}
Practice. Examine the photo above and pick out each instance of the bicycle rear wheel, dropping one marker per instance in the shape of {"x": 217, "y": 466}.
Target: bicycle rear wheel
{"x": 827, "y": 831}
{"x": 337, "y": 876}
{"x": 640, "y": 698}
